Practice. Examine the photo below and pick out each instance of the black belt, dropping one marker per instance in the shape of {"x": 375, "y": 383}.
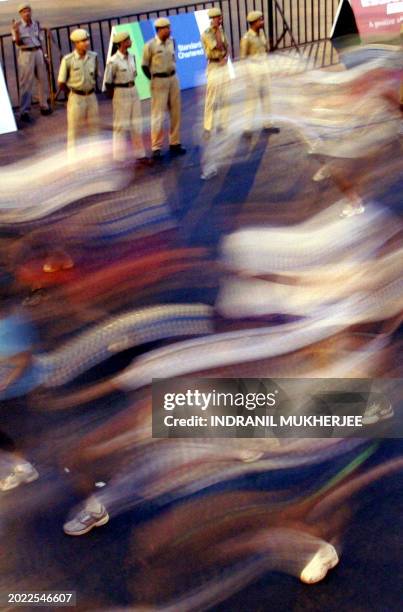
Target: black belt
{"x": 83, "y": 93}
{"x": 164, "y": 75}
{"x": 30, "y": 48}
{"x": 214, "y": 60}
{"x": 129, "y": 84}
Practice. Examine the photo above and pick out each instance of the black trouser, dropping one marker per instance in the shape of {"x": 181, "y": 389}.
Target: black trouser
{"x": 6, "y": 443}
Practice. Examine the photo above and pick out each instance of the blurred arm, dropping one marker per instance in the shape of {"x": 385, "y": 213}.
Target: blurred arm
{"x": 146, "y": 60}
{"x": 20, "y": 363}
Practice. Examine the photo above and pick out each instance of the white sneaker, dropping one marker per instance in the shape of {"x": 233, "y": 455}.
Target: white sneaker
{"x": 86, "y": 520}
{"x": 317, "y": 568}
{"x": 208, "y": 174}
{"x": 250, "y": 456}
{"x": 22, "y": 473}
{"x": 322, "y": 174}
{"x": 349, "y": 210}
{"x": 377, "y": 411}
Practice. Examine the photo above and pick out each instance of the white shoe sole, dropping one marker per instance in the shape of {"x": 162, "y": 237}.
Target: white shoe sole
{"x": 10, "y": 487}
{"x": 208, "y": 175}
{"x": 26, "y": 480}
{"x": 371, "y": 420}
{"x": 99, "y": 523}
{"x": 34, "y": 475}
{"x": 352, "y": 213}
{"x": 318, "y": 177}
{"x": 245, "y": 458}
{"x": 325, "y": 559}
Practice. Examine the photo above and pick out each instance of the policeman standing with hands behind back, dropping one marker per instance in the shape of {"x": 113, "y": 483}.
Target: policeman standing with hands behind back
{"x": 254, "y": 48}
{"x": 31, "y": 61}
{"x": 78, "y": 75}
{"x": 120, "y": 75}
{"x": 158, "y": 64}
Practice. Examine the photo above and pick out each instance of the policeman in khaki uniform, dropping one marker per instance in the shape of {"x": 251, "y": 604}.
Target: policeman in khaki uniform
{"x": 216, "y": 48}
{"x": 158, "y": 64}
{"x": 254, "y": 48}
{"x": 120, "y": 75}
{"x": 31, "y": 61}
{"x": 78, "y": 75}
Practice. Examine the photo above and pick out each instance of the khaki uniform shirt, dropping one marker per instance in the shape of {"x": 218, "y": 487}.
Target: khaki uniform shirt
{"x": 30, "y": 35}
{"x": 210, "y": 44}
{"x": 254, "y": 44}
{"x": 120, "y": 69}
{"x": 159, "y": 56}
{"x": 79, "y": 73}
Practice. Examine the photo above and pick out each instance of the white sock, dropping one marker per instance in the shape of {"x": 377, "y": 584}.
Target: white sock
{"x": 93, "y": 504}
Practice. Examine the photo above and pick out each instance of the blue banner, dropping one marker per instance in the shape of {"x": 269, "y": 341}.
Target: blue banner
{"x": 190, "y": 58}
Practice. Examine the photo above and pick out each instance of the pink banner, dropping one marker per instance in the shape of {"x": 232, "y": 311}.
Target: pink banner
{"x": 378, "y": 17}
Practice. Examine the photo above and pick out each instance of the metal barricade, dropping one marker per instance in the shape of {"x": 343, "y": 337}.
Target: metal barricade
{"x": 301, "y": 24}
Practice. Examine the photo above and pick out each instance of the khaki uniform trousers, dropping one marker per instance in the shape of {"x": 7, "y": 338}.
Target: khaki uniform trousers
{"x": 82, "y": 118}
{"x": 216, "y": 109}
{"x": 257, "y": 94}
{"x": 165, "y": 94}
{"x": 126, "y": 121}
{"x": 31, "y": 68}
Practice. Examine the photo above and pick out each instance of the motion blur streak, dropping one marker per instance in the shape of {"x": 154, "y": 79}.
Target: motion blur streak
{"x": 118, "y": 277}
{"x": 33, "y": 189}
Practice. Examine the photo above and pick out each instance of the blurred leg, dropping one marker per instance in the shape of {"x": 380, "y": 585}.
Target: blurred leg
{"x": 42, "y": 79}
{"x": 26, "y": 75}
{"x": 159, "y": 103}
{"x": 174, "y": 103}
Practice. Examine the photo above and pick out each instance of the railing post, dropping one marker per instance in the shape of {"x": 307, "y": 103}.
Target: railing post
{"x": 270, "y": 17}
{"x": 50, "y": 69}
{"x": 280, "y": 18}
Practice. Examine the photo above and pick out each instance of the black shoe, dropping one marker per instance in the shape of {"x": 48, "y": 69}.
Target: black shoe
{"x": 156, "y": 155}
{"x": 271, "y": 130}
{"x": 247, "y": 134}
{"x": 46, "y": 111}
{"x": 144, "y": 161}
{"x": 177, "y": 149}
{"x": 26, "y": 118}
